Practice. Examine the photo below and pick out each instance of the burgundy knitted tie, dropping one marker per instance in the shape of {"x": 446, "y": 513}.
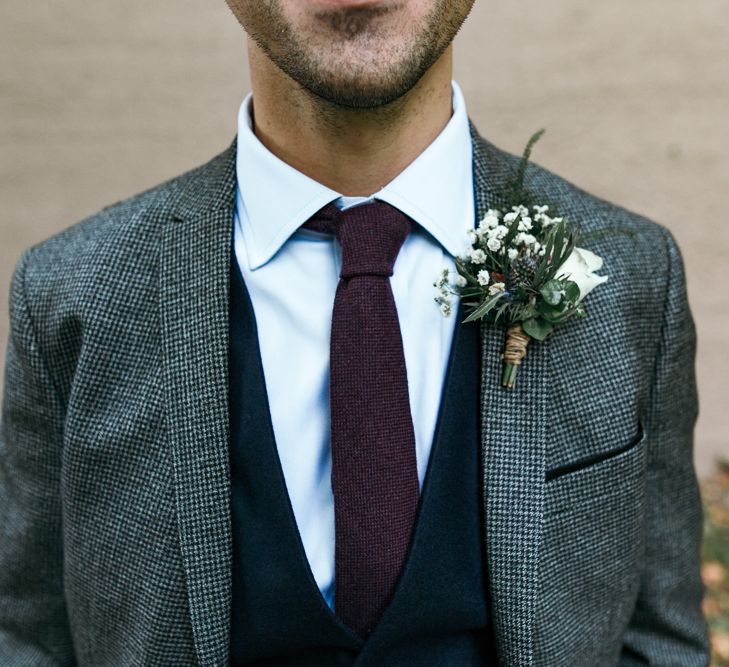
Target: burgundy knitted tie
{"x": 374, "y": 472}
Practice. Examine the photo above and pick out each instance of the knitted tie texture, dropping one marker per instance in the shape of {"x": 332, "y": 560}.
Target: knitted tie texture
{"x": 374, "y": 470}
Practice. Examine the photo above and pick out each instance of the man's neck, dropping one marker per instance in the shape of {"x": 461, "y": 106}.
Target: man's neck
{"x": 353, "y": 151}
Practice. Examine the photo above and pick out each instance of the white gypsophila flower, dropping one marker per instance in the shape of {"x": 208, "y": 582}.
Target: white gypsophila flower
{"x": 461, "y": 281}
{"x": 579, "y": 267}
{"x": 525, "y": 224}
{"x": 477, "y": 256}
{"x": 443, "y": 302}
{"x": 489, "y": 222}
{"x": 493, "y": 244}
{"x": 542, "y": 250}
{"x": 513, "y": 253}
{"x": 510, "y": 217}
{"x": 444, "y": 277}
{"x": 498, "y": 232}
{"x": 541, "y": 209}
{"x": 472, "y": 235}
{"x": 496, "y": 288}
{"x": 522, "y": 238}
{"x": 483, "y": 277}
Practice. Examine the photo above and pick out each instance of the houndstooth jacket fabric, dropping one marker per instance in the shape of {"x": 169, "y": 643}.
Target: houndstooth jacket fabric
{"x": 115, "y": 542}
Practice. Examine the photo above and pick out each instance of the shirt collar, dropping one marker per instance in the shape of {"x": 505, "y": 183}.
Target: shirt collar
{"x": 435, "y": 190}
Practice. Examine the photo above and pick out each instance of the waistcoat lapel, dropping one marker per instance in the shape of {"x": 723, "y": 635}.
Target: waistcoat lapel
{"x": 194, "y": 314}
{"x": 513, "y": 427}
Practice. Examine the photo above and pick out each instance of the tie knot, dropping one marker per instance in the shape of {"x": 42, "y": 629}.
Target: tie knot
{"x": 371, "y": 236}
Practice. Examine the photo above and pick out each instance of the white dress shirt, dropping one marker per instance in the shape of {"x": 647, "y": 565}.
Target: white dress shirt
{"x": 291, "y": 275}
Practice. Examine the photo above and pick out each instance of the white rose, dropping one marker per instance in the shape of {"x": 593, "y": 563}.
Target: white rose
{"x": 579, "y": 267}
{"x": 493, "y": 244}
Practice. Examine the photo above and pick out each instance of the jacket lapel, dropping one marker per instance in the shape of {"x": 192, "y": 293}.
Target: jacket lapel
{"x": 195, "y": 258}
{"x": 513, "y": 436}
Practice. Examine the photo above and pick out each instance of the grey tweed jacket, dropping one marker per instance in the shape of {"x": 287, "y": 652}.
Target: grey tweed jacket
{"x": 115, "y": 534}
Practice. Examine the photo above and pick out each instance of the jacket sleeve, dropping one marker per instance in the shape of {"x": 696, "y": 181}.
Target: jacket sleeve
{"x": 667, "y": 626}
{"x": 33, "y": 621}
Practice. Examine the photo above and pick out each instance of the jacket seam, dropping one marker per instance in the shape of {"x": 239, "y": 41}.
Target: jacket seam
{"x": 34, "y": 331}
{"x": 664, "y": 320}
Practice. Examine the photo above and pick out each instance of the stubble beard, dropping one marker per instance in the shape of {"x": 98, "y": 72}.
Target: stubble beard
{"x": 355, "y": 61}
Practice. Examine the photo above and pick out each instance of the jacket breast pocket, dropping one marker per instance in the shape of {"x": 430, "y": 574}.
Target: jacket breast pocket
{"x": 618, "y": 470}
{"x": 591, "y": 554}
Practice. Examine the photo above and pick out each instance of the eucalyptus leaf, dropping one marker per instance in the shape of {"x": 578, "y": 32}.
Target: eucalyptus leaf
{"x": 571, "y": 290}
{"x": 537, "y": 328}
{"x": 545, "y": 308}
{"x": 552, "y": 292}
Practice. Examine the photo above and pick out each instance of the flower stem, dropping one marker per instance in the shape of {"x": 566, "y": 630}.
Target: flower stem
{"x": 514, "y": 353}
{"x": 510, "y": 373}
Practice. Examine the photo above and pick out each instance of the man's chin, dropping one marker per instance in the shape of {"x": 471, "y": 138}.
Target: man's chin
{"x": 354, "y": 93}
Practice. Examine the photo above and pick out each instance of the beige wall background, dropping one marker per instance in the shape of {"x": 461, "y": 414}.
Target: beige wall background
{"x": 99, "y": 100}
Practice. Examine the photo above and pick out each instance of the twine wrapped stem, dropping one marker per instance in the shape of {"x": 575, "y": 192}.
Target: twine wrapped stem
{"x": 514, "y": 352}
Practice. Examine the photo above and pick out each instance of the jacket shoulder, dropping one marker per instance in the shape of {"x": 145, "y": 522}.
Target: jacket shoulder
{"x": 104, "y": 270}
{"x": 127, "y": 228}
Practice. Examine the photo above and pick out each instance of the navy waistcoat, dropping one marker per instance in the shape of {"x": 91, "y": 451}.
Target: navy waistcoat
{"x": 439, "y": 612}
